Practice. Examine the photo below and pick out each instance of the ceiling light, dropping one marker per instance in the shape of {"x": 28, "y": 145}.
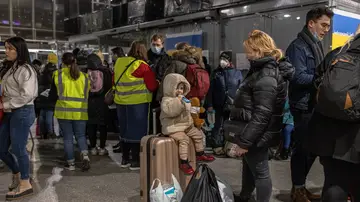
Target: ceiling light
{"x": 298, "y": 18}
{"x": 287, "y": 15}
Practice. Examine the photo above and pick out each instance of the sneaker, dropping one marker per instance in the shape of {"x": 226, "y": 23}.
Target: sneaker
{"x": 116, "y": 146}
{"x": 118, "y": 150}
{"x": 205, "y": 158}
{"x": 299, "y": 195}
{"x": 125, "y": 163}
{"x": 70, "y": 166}
{"x": 94, "y": 151}
{"x": 103, "y": 152}
{"x": 135, "y": 166}
{"x": 85, "y": 162}
{"x": 283, "y": 155}
{"x": 186, "y": 168}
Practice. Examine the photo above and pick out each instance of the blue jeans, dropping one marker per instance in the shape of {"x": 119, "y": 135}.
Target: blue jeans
{"x": 217, "y": 132}
{"x": 14, "y": 131}
{"x": 46, "y": 121}
{"x": 256, "y": 174}
{"x": 287, "y": 135}
{"x": 70, "y": 128}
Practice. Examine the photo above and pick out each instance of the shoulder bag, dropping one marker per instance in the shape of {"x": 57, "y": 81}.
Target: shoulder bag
{"x": 110, "y": 95}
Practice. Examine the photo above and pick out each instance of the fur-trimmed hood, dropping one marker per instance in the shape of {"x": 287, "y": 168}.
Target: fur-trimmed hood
{"x": 190, "y": 55}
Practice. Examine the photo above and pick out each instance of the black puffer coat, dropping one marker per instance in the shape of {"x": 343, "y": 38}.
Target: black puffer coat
{"x": 260, "y": 101}
{"x": 45, "y": 81}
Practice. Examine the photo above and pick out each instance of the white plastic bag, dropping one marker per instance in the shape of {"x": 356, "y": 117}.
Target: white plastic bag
{"x": 226, "y": 191}
{"x": 172, "y": 194}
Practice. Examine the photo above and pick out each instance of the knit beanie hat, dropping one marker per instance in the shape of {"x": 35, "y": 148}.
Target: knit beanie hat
{"x": 52, "y": 58}
{"x": 227, "y": 55}
{"x": 94, "y": 61}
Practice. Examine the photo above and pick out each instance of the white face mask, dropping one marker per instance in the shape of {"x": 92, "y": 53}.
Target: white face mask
{"x": 223, "y": 63}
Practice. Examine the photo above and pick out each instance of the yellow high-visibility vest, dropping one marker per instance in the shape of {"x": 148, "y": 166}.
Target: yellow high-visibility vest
{"x": 72, "y": 103}
{"x": 130, "y": 90}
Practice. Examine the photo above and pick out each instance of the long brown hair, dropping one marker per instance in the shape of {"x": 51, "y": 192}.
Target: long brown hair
{"x": 138, "y": 50}
{"x": 262, "y": 45}
{"x": 69, "y": 60}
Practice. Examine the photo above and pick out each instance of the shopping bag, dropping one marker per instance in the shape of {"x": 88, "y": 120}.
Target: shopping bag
{"x": 226, "y": 191}
{"x": 203, "y": 186}
{"x": 163, "y": 193}
{"x": 230, "y": 149}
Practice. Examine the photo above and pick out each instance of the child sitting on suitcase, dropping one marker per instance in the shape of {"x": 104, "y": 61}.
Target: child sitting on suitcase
{"x": 177, "y": 122}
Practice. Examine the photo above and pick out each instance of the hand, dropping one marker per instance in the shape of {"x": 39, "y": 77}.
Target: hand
{"x": 180, "y": 97}
{"x": 240, "y": 151}
{"x": 210, "y": 109}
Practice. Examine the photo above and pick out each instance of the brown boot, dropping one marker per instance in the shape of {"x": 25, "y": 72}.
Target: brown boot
{"x": 15, "y": 181}
{"x": 312, "y": 196}
{"x": 23, "y": 190}
{"x": 299, "y": 195}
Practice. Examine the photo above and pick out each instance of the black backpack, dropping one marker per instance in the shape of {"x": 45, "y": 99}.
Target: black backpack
{"x": 338, "y": 95}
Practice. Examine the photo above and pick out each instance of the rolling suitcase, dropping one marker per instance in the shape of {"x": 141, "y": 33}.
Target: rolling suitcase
{"x": 159, "y": 158}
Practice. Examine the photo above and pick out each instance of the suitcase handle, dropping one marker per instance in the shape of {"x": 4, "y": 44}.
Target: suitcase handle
{"x": 154, "y": 112}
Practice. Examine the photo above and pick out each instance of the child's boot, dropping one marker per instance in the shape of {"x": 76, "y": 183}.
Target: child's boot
{"x": 186, "y": 167}
{"x": 201, "y": 156}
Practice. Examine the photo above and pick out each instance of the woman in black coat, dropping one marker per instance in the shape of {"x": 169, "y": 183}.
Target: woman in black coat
{"x": 101, "y": 82}
{"x": 259, "y": 105}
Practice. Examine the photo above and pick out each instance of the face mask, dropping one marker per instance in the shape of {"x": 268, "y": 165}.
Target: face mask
{"x": 223, "y": 63}
{"x": 156, "y": 49}
{"x": 316, "y": 36}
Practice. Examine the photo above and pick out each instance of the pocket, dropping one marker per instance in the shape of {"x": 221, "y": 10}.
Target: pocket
{"x": 310, "y": 62}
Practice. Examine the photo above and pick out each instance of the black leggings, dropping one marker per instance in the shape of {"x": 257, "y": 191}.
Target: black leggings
{"x": 92, "y": 132}
{"x": 341, "y": 178}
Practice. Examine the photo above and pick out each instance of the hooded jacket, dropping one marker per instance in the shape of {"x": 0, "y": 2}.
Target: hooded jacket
{"x": 260, "y": 101}
{"x": 175, "y": 114}
{"x": 181, "y": 59}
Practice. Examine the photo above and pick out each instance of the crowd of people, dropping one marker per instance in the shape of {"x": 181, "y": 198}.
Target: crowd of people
{"x": 277, "y": 95}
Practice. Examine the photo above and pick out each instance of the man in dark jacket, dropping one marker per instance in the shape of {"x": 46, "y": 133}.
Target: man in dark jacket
{"x": 305, "y": 53}
{"x": 159, "y": 61}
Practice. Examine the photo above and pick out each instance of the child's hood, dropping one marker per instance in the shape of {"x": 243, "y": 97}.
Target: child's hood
{"x": 171, "y": 82}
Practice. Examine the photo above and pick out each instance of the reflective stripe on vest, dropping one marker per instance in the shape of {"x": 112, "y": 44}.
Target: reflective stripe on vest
{"x": 72, "y": 103}
{"x": 61, "y": 90}
{"x": 130, "y": 89}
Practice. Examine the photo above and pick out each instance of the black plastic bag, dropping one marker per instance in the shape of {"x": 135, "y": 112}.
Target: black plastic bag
{"x": 203, "y": 186}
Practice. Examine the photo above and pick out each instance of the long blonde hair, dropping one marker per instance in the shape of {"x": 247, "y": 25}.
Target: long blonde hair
{"x": 262, "y": 45}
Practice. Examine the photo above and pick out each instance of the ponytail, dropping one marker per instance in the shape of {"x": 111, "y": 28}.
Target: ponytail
{"x": 74, "y": 71}
{"x": 69, "y": 60}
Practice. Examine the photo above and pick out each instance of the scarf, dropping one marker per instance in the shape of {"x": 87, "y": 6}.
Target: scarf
{"x": 314, "y": 44}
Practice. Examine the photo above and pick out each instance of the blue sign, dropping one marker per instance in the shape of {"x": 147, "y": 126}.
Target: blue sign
{"x": 192, "y": 38}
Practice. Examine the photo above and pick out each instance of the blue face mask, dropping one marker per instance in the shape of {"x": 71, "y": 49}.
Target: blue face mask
{"x": 156, "y": 49}
{"x": 316, "y": 36}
